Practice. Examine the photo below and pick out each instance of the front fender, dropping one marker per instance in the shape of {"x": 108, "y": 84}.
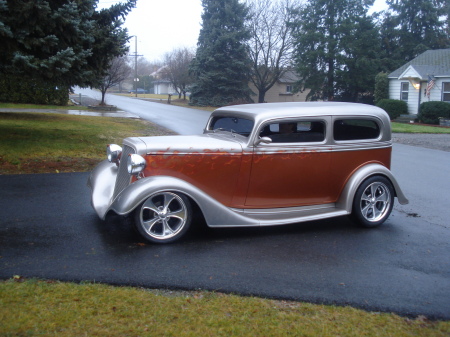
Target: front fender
{"x": 346, "y": 199}
{"x": 101, "y": 182}
{"x": 215, "y": 213}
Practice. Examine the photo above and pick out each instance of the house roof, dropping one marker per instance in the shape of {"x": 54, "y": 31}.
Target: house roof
{"x": 289, "y": 77}
{"x": 433, "y": 62}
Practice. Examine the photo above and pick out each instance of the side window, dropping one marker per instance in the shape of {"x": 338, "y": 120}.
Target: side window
{"x": 446, "y": 92}
{"x": 295, "y": 132}
{"x": 354, "y": 129}
{"x": 404, "y": 91}
{"x": 238, "y": 125}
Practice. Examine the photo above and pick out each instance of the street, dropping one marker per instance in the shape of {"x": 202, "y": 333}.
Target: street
{"x": 178, "y": 119}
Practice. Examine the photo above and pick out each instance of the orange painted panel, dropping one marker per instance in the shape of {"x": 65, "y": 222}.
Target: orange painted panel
{"x": 214, "y": 173}
{"x": 286, "y": 179}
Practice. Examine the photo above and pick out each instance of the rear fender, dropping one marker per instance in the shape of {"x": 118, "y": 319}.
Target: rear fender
{"x": 346, "y": 199}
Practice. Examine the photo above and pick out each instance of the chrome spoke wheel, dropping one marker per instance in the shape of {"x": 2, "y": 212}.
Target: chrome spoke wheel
{"x": 373, "y": 201}
{"x": 163, "y": 217}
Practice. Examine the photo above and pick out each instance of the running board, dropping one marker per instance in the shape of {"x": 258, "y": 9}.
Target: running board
{"x": 282, "y": 216}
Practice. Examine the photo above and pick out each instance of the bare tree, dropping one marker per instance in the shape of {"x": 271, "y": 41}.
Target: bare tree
{"x": 118, "y": 72}
{"x": 271, "y": 42}
{"x": 176, "y": 69}
{"x": 146, "y": 67}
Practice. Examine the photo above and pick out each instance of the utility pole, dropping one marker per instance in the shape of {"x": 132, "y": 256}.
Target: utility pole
{"x": 136, "y": 79}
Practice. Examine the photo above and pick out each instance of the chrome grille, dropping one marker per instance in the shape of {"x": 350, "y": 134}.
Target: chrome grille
{"x": 123, "y": 177}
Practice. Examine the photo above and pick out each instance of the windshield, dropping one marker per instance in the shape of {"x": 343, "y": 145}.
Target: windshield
{"x": 237, "y": 125}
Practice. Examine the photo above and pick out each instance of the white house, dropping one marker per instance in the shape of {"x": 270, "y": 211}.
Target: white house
{"x": 163, "y": 87}
{"x": 425, "y": 78}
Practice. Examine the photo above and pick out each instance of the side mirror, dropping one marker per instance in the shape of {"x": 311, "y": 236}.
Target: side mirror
{"x": 263, "y": 140}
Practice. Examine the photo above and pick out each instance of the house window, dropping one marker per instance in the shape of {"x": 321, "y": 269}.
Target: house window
{"x": 289, "y": 89}
{"x": 446, "y": 91}
{"x": 404, "y": 91}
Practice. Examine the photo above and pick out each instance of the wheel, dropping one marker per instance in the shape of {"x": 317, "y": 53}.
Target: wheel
{"x": 164, "y": 217}
{"x": 373, "y": 202}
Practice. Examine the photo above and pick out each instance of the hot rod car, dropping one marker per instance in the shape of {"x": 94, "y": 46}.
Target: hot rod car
{"x": 254, "y": 165}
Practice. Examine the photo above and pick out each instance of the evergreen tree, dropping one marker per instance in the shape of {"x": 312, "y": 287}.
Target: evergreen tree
{"x": 336, "y": 49}
{"x": 60, "y": 42}
{"x": 221, "y": 65}
{"x": 414, "y": 26}
{"x": 381, "y": 87}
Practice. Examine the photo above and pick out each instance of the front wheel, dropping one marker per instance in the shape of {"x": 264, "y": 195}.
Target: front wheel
{"x": 373, "y": 202}
{"x": 164, "y": 217}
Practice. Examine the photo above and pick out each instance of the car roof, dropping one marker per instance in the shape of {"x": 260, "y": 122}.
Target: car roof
{"x": 264, "y": 111}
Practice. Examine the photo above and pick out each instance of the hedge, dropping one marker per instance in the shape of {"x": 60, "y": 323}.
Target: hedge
{"x": 394, "y": 107}
{"x": 15, "y": 89}
{"x": 429, "y": 112}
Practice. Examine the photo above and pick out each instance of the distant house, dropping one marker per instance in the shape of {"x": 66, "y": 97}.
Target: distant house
{"x": 161, "y": 86}
{"x": 283, "y": 90}
{"x": 425, "y": 78}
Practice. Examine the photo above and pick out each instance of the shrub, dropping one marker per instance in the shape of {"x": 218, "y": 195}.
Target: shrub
{"x": 429, "y": 112}
{"x": 381, "y": 87}
{"x": 393, "y": 107}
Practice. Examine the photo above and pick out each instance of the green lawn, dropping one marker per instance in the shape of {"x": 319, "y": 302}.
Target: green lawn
{"x": 48, "y": 142}
{"x": 49, "y": 308}
{"x": 417, "y": 128}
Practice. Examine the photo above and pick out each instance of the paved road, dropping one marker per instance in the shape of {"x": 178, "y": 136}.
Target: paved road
{"x": 49, "y": 231}
{"x": 179, "y": 119}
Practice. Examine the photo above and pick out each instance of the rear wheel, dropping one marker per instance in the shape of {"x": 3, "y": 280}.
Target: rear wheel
{"x": 164, "y": 217}
{"x": 373, "y": 201}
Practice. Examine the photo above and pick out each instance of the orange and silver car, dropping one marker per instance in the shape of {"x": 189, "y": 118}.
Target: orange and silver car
{"x": 254, "y": 165}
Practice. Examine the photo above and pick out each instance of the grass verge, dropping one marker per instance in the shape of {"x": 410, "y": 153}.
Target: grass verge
{"x": 417, "y": 128}
{"x": 49, "y": 308}
{"x": 174, "y": 101}
{"x": 41, "y": 142}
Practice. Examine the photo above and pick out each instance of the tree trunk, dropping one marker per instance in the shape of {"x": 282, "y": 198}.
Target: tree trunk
{"x": 261, "y": 96}
{"x": 103, "y": 97}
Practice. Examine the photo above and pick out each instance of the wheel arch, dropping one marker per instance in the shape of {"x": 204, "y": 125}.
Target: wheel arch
{"x": 348, "y": 193}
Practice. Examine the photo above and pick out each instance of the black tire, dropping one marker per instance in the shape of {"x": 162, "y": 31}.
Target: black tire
{"x": 164, "y": 217}
{"x": 373, "y": 202}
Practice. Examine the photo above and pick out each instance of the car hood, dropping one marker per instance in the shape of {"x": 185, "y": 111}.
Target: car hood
{"x": 205, "y": 143}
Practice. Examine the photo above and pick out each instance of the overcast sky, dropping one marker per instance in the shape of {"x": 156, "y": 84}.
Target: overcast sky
{"x": 161, "y": 26}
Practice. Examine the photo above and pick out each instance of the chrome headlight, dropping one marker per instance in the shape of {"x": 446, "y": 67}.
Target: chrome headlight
{"x": 113, "y": 152}
{"x": 135, "y": 164}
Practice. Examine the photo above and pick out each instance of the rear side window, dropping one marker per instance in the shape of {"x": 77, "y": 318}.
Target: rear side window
{"x": 354, "y": 129}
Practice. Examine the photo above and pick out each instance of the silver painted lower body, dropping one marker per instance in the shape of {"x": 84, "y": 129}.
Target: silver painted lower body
{"x": 103, "y": 177}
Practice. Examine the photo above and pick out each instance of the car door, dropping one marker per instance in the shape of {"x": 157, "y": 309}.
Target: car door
{"x": 294, "y": 168}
